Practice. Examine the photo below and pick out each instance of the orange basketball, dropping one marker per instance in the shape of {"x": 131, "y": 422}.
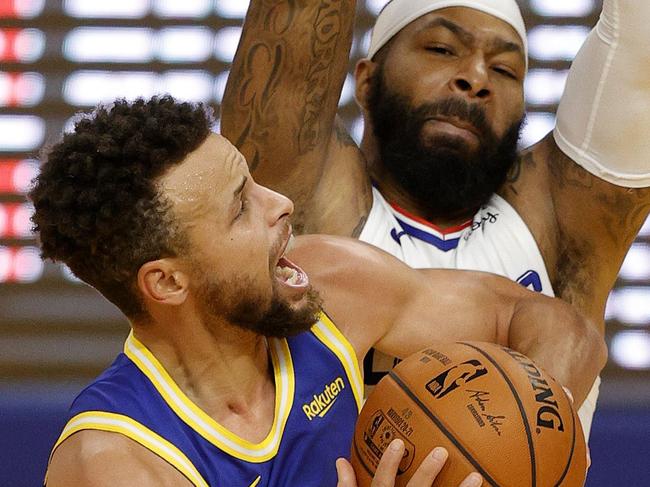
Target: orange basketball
{"x": 493, "y": 409}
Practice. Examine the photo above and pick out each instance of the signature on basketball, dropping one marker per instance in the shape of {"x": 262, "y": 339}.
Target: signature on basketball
{"x": 495, "y": 422}
{"x": 481, "y": 399}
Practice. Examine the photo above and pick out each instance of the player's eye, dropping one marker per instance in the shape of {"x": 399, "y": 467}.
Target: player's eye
{"x": 442, "y": 50}
{"x": 504, "y": 72}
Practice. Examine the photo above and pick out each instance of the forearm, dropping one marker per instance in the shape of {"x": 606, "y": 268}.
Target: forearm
{"x": 604, "y": 115}
{"x": 557, "y": 338}
{"x": 282, "y": 94}
{"x": 417, "y": 307}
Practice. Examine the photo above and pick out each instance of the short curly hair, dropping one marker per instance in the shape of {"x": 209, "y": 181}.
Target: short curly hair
{"x": 97, "y": 205}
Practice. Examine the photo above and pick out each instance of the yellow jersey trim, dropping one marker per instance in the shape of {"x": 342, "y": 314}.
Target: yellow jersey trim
{"x": 117, "y": 423}
{"x": 327, "y": 332}
{"x": 203, "y": 424}
{"x": 256, "y": 481}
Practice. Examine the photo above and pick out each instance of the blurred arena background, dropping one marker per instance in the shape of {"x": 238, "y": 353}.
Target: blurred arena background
{"x": 63, "y": 56}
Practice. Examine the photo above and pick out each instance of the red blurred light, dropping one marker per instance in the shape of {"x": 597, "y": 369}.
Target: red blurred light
{"x": 18, "y": 9}
{"x": 15, "y": 220}
{"x": 8, "y": 44}
{"x": 6, "y": 176}
{"x": 7, "y": 9}
{"x": 16, "y": 175}
{"x": 21, "y": 45}
{"x": 21, "y": 89}
{"x": 20, "y": 264}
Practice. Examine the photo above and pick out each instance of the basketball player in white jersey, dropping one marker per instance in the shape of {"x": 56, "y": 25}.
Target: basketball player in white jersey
{"x": 437, "y": 180}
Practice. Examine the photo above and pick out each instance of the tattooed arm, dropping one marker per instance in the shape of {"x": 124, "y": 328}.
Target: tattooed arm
{"x": 583, "y": 225}
{"x": 584, "y": 190}
{"x": 280, "y": 108}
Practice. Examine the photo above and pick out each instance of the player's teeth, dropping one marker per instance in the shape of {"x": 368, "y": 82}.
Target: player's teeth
{"x": 287, "y": 274}
{"x": 294, "y": 278}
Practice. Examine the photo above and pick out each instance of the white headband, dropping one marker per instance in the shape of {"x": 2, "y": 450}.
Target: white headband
{"x": 397, "y": 14}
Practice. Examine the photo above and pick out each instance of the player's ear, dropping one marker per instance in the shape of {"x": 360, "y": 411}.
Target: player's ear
{"x": 163, "y": 282}
{"x": 364, "y": 72}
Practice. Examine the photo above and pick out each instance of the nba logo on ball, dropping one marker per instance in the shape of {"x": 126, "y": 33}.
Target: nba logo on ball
{"x": 451, "y": 379}
{"x": 493, "y": 409}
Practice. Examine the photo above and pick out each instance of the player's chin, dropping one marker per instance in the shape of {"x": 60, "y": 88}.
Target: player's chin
{"x": 305, "y": 302}
{"x": 309, "y": 303}
{"x": 300, "y": 314}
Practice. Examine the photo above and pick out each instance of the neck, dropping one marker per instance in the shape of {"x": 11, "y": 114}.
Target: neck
{"x": 223, "y": 369}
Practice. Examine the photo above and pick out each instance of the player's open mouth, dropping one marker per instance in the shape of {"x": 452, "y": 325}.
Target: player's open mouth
{"x": 290, "y": 274}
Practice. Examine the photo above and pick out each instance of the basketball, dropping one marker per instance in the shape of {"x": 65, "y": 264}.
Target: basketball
{"x": 493, "y": 409}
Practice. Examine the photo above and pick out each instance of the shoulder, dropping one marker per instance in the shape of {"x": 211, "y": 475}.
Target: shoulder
{"x": 89, "y": 458}
{"x": 328, "y": 256}
{"x": 333, "y": 246}
{"x": 113, "y": 390}
{"x": 362, "y": 287}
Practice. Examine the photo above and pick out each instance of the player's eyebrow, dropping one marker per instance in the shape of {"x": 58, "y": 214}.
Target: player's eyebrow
{"x": 496, "y": 43}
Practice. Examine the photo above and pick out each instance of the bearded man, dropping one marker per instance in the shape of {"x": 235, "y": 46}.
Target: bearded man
{"x": 437, "y": 180}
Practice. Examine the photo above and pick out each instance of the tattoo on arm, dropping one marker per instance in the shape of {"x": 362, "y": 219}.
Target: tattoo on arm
{"x": 269, "y": 56}
{"x": 515, "y": 171}
{"x": 259, "y": 74}
{"x": 621, "y": 211}
{"x": 343, "y": 136}
{"x": 327, "y": 27}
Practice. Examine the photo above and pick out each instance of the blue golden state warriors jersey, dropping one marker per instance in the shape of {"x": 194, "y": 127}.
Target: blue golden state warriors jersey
{"x": 318, "y": 397}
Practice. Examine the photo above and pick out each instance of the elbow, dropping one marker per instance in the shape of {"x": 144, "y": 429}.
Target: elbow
{"x": 592, "y": 346}
{"x": 600, "y": 346}
{"x": 587, "y": 356}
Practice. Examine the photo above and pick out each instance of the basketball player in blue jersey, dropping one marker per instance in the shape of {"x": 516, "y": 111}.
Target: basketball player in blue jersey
{"x": 242, "y": 365}
{"x": 437, "y": 180}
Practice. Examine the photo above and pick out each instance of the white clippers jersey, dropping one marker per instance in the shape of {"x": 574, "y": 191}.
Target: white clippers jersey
{"x": 496, "y": 240}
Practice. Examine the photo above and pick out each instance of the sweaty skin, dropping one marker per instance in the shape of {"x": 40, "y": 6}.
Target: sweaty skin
{"x": 285, "y": 84}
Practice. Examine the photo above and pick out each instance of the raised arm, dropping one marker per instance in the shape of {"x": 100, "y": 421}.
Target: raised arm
{"x": 280, "y": 107}
{"x": 379, "y": 301}
{"x": 583, "y": 190}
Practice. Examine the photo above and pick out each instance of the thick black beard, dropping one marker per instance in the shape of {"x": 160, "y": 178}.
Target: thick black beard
{"x": 441, "y": 174}
{"x": 276, "y": 318}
